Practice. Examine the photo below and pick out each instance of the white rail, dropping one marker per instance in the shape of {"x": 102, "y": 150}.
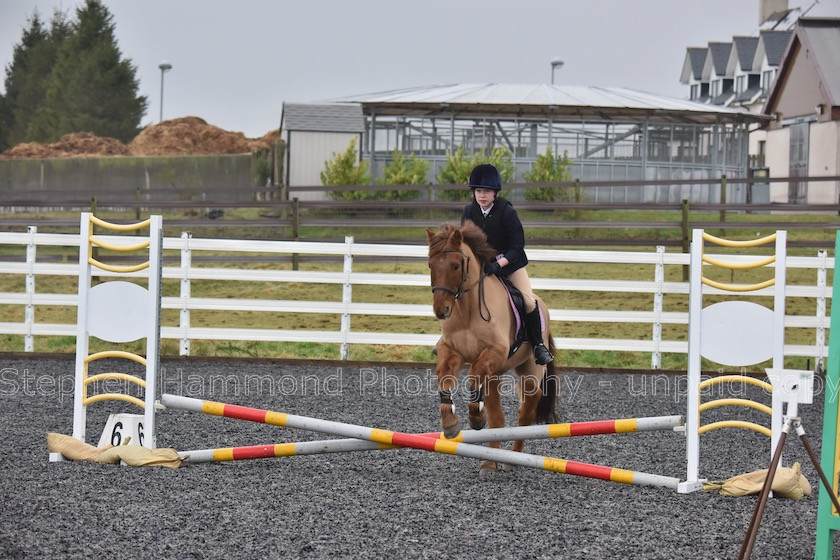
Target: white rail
{"x": 30, "y": 269}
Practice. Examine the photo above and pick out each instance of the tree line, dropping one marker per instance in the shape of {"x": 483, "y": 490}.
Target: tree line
{"x": 69, "y": 75}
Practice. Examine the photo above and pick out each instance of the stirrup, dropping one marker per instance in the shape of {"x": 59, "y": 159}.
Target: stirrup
{"x": 532, "y": 325}
{"x": 541, "y": 355}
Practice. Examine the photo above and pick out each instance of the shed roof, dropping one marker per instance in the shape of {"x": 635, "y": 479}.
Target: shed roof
{"x": 823, "y": 9}
{"x": 749, "y": 95}
{"x": 573, "y": 103}
{"x": 322, "y": 117}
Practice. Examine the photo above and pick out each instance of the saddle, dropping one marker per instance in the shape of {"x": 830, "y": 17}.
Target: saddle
{"x": 517, "y": 305}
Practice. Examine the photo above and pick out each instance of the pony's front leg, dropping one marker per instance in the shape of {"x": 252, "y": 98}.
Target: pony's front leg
{"x": 486, "y": 373}
{"x": 448, "y": 365}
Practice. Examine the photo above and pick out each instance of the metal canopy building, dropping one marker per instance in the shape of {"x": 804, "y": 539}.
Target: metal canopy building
{"x": 611, "y": 134}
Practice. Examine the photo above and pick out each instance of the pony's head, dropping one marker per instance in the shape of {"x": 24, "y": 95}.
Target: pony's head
{"x": 455, "y": 253}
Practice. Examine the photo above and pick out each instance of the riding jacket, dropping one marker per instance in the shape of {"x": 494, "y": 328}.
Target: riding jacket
{"x": 503, "y": 229}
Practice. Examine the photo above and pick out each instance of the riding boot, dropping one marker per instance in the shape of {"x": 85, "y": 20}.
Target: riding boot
{"x": 532, "y": 324}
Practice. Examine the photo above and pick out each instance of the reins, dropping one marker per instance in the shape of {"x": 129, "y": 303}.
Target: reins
{"x": 465, "y": 264}
{"x": 482, "y": 300}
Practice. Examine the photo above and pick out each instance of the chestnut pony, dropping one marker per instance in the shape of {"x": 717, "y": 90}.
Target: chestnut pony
{"x": 478, "y": 326}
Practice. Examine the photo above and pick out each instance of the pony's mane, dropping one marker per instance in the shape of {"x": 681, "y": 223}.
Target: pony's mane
{"x": 473, "y": 236}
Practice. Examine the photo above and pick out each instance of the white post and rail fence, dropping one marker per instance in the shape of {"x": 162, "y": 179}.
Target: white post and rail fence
{"x": 28, "y": 269}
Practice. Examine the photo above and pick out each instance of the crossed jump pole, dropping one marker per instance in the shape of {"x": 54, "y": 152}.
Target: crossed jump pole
{"x": 423, "y": 442}
{"x": 540, "y": 431}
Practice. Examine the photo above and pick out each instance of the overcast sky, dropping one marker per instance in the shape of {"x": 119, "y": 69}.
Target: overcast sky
{"x": 235, "y": 62}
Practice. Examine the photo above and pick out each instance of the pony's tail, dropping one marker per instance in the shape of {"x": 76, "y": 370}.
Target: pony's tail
{"x": 550, "y": 388}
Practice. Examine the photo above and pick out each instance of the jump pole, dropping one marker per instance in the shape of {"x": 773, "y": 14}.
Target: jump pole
{"x": 540, "y": 431}
{"x": 416, "y": 441}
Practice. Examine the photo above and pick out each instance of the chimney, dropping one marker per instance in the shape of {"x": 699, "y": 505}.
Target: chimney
{"x": 767, "y": 8}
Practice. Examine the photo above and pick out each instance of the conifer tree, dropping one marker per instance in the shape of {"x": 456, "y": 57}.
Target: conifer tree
{"x": 25, "y": 81}
{"x": 91, "y": 88}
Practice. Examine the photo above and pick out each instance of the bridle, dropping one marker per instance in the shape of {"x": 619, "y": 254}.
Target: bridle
{"x": 465, "y": 264}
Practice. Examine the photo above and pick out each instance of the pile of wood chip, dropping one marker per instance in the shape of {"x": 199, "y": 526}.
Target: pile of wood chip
{"x": 176, "y": 137}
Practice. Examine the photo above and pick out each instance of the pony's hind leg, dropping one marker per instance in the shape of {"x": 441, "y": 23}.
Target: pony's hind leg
{"x": 530, "y": 392}
{"x": 486, "y": 371}
{"x": 478, "y": 419}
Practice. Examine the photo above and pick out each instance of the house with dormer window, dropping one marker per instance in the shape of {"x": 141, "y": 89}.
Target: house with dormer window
{"x": 739, "y": 73}
{"x": 692, "y": 74}
{"x": 714, "y": 72}
{"x": 789, "y": 71}
{"x": 768, "y": 55}
{"x": 740, "y": 67}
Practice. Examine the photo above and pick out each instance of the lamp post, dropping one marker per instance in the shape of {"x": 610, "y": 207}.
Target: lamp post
{"x": 555, "y": 63}
{"x": 164, "y": 68}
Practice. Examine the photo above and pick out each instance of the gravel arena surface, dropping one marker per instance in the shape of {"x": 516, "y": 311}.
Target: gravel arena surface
{"x": 378, "y": 504}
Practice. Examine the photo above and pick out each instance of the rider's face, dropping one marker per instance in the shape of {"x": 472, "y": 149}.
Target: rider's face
{"x": 484, "y": 197}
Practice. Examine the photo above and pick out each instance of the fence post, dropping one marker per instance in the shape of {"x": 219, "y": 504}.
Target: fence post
{"x": 94, "y": 250}
{"x": 686, "y": 243}
{"x": 819, "y": 361}
{"x": 295, "y": 230}
{"x": 346, "y": 297}
{"x": 29, "y": 312}
{"x": 186, "y": 263}
{"x": 723, "y": 197}
{"x": 659, "y": 279}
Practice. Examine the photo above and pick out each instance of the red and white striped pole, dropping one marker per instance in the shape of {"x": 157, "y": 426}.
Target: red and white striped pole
{"x": 389, "y": 438}
{"x": 541, "y": 431}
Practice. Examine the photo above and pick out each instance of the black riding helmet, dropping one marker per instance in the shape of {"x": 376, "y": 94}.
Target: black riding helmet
{"x": 486, "y": 176}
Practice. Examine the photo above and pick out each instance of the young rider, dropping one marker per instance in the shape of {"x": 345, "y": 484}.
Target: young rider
{"x": 501, "y": 224}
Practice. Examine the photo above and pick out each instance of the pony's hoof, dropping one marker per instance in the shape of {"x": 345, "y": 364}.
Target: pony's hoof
{"x": 506, "y": 467}
{"x": 487, "y": 467}
{"x": 452, "y": 431}
{"x": 478, "y": 422}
